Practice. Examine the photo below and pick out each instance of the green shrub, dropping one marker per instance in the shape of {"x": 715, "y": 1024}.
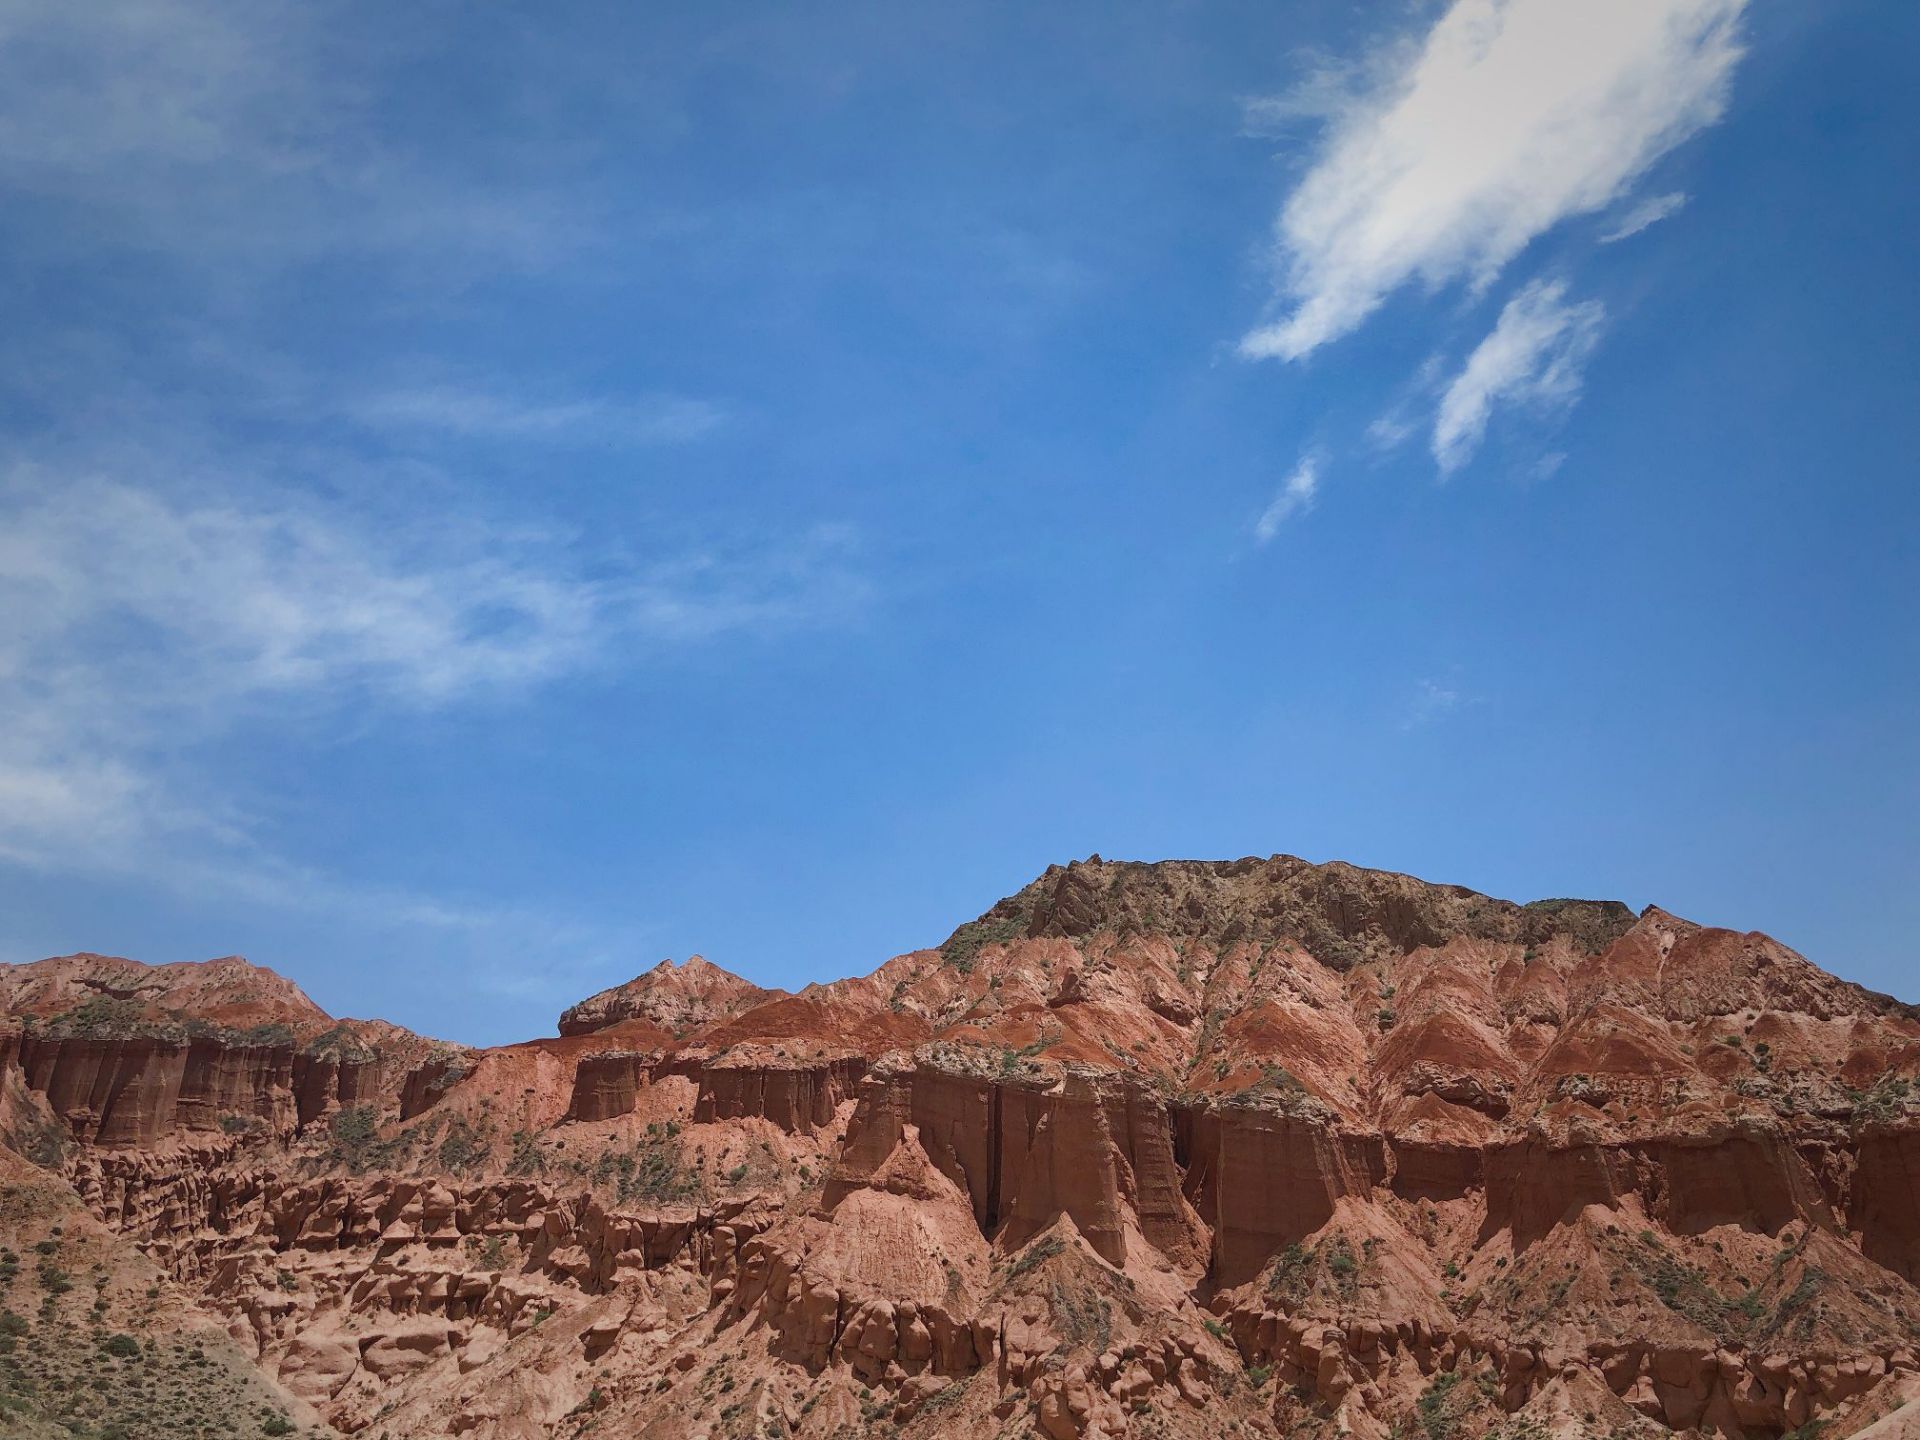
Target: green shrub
{"x": 652, "y": 1170}
{"x": 270, "y": 1035}
{"x": 1037, "y": 1254}
{"x": 1437, "y": 1417}
{"x": 963, "y": 947}
{"x": 356, "y": 1137}
{"x": 103, "y": 1015}
{"x": 527, "y": 1159}
{"x": 466, "y": 1147}
{"x": 1292, "y": 1273}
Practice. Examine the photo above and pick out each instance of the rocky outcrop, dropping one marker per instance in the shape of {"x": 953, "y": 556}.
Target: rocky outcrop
{"x": 798, "y": 1095}
{"x": 607, "y": 1083}
{"x": 1166, "y": 1149}
{"x": 127, "y": 1054}
{"x": 1682, "y": 1387}
{"x": 1099, "y": 1149}
{"x": 674, "y": 999}
{"x": 91, "y": 989}
{"x": 1883, "y": 1200}
{"x": 1341, "y": 910}
{"x": 1264, "y": 1180}
{"x": 135, "y": 1088}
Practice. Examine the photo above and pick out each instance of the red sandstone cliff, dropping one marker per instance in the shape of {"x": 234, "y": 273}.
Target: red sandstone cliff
{"x": 1252, "y": 1148}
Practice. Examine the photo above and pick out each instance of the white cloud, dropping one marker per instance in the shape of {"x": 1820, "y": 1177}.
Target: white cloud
{"x": 1432, "y": 700}
{"x": 217, "y": 130}
{"x": 473, "y": 414}
{"x": 1509, "y": 117}
{"x": 55, "y": 801}
{"x": 258, "y": 599}
{"x": 1294, "y": 497}
{"x": 1326, "y": 87}
{"x": 1391, "y": 430}
{"x": 1534, "y": 355}
{"x": 1650, "y": 211}
{"x": 140, "y": 627}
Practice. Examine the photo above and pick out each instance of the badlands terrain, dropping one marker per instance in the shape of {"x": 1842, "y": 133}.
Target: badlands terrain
{"x": 1256, "y": 1148}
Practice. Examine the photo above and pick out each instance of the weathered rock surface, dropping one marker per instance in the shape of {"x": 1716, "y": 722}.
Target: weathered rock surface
{"x": 673, "y": 998}
{"x": 1251, "y": 1148}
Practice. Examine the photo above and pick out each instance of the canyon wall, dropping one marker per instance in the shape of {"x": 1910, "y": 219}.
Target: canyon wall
{"x": 1253, "y": 1148}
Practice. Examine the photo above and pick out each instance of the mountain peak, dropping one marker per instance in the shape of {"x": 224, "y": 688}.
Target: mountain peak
{"x": 676, "y": 997}
{"x": 1344, "y": 914}
{"x": 228, "y": 990}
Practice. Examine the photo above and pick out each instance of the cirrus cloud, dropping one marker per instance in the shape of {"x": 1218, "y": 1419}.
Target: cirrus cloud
{"x": 1509, "y": 117}
{"x": 492, "y": 416}
{"x": 1535, "y": 354}
{"x": 1294, "y": 497}
{"x": 146, "y": 623}
{"x": 1645, "y": 213}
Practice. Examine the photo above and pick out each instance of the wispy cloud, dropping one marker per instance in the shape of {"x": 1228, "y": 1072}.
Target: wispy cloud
{"x": 1507, "y": 118}
{"x": 1650, "y": 211}
{"x": 1534, "y": 355}
{"x": 138, "y": 624}
{"x": 1295, "y": 496}
{"x": 255, "y": 598}
{"x": 1432, "y": 700}
{"x": 1391, "y": 430}
{"x": 1326, "y": 87}
{"x": 489, "y": 415}
{"x": 1407, "y": 412}
{"x": 215, "y": 130}
{"x": 192, "y": 552}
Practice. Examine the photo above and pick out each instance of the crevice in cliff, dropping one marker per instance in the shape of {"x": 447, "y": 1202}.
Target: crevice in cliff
{"x": 995, "y": 1131}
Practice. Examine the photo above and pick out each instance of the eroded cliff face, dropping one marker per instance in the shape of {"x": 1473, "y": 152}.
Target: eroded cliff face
{"x": 1251, "y": 1148}
{"x": 126, "y": 1054}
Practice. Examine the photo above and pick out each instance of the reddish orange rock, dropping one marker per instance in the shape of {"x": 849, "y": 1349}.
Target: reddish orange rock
{"x": 1190, "y": 1149}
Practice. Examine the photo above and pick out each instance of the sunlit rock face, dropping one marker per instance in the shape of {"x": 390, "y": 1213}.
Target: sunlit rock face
{"x": 1189, "y": 1149}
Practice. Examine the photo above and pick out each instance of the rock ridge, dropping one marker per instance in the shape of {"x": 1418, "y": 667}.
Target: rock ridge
{"x": 1254, "y": 1147}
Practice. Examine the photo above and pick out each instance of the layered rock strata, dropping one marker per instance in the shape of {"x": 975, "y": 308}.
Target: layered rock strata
{"x": 1251, "y": 1148}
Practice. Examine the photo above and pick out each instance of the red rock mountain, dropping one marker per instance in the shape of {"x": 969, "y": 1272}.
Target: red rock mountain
{"x": 676, "y": 999}
{"x": 1251, "y": 1148}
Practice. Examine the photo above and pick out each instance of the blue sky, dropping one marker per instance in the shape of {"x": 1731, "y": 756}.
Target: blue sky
{"x": 491, "y": 498}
